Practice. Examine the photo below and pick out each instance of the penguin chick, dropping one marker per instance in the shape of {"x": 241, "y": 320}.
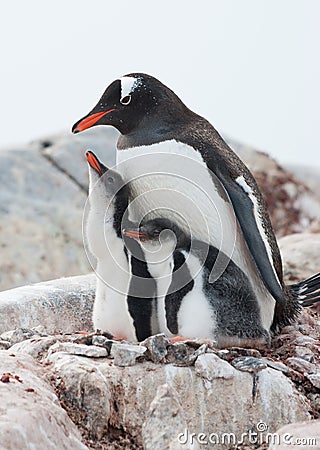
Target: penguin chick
{"x": 108, "y": 200}
{"x": 226, "y": 310}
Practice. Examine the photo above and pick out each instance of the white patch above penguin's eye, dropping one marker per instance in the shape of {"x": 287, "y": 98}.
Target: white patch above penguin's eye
{"x": 125, "y": 100}
{"x": 128, "y": 85}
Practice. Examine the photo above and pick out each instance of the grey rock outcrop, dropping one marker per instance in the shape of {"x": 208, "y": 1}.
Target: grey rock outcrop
{"x": 31, "y": 417}
{"x": 43, "y": 193}
{"x": 62, "y": 305}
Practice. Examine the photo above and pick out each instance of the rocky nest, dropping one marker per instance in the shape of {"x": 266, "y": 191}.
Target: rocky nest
{"x": 109, "y": 394}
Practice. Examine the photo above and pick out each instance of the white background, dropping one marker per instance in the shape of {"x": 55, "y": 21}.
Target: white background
{"x": 252, "y": 67}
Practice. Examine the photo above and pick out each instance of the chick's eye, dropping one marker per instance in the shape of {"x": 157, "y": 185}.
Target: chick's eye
{"x": 110, "y": 180}
{"x": 125, "y": 100}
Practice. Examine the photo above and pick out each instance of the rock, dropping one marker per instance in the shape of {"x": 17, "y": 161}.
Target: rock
{"x": 231, "y": 353}
{"x": 62, "y": 305}
{"x": 30, "y": 414}
{"x": 41, "y": 215}
{"x": 314, "y": 378}
{"x": 4, "y": 345}
{"x": 102, "y": 341}
{"x": 181, "y": 354}
{"x": 164, "y": 418}
{"x": 91, "y": 351}
{"x": 36, "y": 348}
{"x": 109, "y": 398}
{"x": 44, "y": 189}
{"x": 125, "y": 354}
{"x": 156, "y": 347}
{"x": 310, "y": 175}
{"x": 304, "y": 435}
{"x": 83, "y": 337}
{"x": 210, "y": 366}
{"x": 304, "y": 353}
{"x": 301, "y": 365}
{"x": 304, "y": 340}
{"x": 67, "y": 151}
{"x": 18, "y": 335}
{"x": 249, "y": 364}
{"x": 301, "y": 255}
{"x": 275, "y": 365}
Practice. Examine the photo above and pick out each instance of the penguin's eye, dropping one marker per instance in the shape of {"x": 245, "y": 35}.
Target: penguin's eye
{"x": 125, "y": 100}
{"x": 110, "y": 180}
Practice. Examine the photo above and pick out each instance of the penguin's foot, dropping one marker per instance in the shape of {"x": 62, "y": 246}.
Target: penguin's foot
{"x": 119, "y": 338}
{"x": 178, "y": 339}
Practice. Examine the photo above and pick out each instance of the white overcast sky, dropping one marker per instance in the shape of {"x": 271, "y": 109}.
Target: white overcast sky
{"x": 252, "y": 67}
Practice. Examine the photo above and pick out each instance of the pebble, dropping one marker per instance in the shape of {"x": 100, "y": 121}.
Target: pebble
{"x": 156, "y": 347}
{"x": 20, "y": 334}
{"x": 314, "y": 379}
{"x": 275, "y": 365}
{"x": 102, "y": 341}
{"x": 304, "y": 353}
{"x": 289, "y": 329}
{"x": 249, "y": 364}
{"x": 182, "y": 355}
{"x": 302, "y": 340}
{"x": 230, "y": 354}
{"x": 91, "y": 351}
{"x": 301, "y": 365}
{"x": 126, "y": 354}
{"x": 4, "y": 345}
{"x": 36, "y": 347}
{"x": 210, "y": 367}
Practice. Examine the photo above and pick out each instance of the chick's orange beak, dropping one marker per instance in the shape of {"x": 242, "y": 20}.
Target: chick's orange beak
{"x": 134, "y": 234}
{"x": 92, "y": 160}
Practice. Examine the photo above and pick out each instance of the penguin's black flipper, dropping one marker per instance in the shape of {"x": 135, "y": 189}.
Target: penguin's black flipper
{"x": 307, "y": 291}
{"x": 248, "y": 206}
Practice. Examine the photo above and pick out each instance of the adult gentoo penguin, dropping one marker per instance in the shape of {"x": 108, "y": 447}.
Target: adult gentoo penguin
{"x": 116, "y": 308}
{"x": 226, "y": 310}
{"x": 153, "y": 121}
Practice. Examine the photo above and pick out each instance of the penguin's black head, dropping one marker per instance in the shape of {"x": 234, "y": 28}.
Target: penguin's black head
{"x": 110, "y": 180}
{"x": 156, "y": 231}
{"x": 133, "y": 101}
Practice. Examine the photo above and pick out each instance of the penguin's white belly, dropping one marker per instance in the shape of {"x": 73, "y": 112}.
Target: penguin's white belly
{"x": 110, "y": 310}
{"x": 196, "y": 319}
{"x": 170, "y": 179}
{"x": 160, "y": 266}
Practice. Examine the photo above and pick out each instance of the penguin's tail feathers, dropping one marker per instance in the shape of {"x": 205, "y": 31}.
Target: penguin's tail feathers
{"x": 307, "y": 292}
